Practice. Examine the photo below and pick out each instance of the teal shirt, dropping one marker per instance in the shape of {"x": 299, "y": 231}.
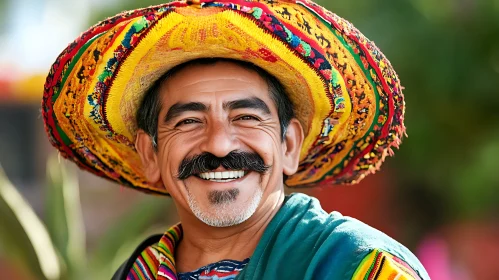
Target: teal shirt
{"x": 304, "y": 242}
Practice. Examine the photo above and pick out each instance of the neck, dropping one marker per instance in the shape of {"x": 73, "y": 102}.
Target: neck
{"x": 202, "y": 244}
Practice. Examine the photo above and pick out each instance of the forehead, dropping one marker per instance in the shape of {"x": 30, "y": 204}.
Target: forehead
{"x": 220, "y": 80}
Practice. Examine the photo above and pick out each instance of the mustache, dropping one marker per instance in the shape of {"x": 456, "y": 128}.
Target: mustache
{"x": 235, "y": 160}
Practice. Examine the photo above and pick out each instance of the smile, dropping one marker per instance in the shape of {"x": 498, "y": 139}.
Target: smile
{"x": 224, "y": 176}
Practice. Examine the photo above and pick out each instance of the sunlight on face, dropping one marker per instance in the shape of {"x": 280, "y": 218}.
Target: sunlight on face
{"x": 219, "y": 109}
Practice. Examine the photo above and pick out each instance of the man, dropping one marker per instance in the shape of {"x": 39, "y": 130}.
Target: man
{"x": 219, "y": 104}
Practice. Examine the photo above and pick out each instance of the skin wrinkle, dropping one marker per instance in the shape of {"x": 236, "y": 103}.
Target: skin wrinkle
{"x": 151, "y": 104}
{"x": 177, "y": 109}
{"x": 218, "y": 132}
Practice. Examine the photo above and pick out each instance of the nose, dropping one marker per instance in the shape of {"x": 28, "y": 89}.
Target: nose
{"x": 219, "y": 140}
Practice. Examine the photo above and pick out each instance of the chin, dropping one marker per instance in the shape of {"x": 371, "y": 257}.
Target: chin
{"x": 225, "y": 209}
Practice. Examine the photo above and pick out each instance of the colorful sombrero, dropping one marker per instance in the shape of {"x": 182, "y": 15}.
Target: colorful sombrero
{"x": 345, "y": 92}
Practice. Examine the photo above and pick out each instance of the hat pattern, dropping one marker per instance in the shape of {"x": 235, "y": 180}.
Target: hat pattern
{"x": 348, "y": 97}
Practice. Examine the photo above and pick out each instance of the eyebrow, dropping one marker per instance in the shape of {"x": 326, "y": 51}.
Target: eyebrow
{"x": 247, "y": 103}
{"x": 178, "y": 108}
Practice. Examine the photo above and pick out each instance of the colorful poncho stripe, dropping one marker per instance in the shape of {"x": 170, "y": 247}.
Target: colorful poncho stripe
{"x": 302, "y": 242}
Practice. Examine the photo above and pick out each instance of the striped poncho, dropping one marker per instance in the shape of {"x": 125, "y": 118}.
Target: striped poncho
{"x": 301, "y": 242}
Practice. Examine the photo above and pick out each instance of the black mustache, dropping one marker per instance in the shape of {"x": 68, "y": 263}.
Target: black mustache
{"x": 235, "y": 160}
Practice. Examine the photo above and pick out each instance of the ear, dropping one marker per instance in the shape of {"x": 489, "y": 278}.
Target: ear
{"x": 292, "y": 147}
{"x": 148, "y": 156}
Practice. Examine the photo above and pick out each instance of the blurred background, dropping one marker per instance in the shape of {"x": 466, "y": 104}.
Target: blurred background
{"x": 438, "y": 196}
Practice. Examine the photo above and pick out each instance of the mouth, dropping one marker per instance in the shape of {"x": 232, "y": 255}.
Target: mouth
{"x": 222, "y": 176}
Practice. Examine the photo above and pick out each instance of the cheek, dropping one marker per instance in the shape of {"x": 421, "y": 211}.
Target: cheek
{"x": 172, "y": 150}
{"x": 263, "y": 141}
{"x": 175, "y": 143}
{"x": 267, "y": 144}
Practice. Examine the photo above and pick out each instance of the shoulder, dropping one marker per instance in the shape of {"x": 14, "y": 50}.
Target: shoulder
{"x": 342, "y": 242}
{"x": 382, "y": 265}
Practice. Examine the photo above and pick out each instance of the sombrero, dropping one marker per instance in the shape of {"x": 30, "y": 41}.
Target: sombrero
{"x": 345, "y": 92}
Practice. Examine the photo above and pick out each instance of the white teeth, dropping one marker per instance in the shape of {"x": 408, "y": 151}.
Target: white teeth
{"x": 218, "y": 176}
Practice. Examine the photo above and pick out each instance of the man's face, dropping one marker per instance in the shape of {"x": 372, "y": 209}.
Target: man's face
{"x": 219, "y": 148}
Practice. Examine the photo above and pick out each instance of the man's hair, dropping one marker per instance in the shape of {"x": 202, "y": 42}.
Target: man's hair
{"x": 147, "y": 115}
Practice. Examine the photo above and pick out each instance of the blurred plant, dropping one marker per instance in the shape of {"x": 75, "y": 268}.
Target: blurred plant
{"x": 3, "y": 11}
{"x": 24, "y": 236}
{"x": 56, "y": 250}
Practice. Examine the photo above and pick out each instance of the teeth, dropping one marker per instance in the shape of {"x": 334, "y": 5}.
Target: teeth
{"x": 217, "y": 176}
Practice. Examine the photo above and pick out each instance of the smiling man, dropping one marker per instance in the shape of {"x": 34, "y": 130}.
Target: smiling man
{"x": 219, "y": 143}
{"x": 220, "y": 104}
{"x": 210, "y": 130}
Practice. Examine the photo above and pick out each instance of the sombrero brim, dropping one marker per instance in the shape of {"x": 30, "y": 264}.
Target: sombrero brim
{"x": 346, "y": 94}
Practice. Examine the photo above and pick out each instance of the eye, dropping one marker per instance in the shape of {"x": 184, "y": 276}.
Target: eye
{"x": 186, "y": 122}
{"x": 247, "y": 118}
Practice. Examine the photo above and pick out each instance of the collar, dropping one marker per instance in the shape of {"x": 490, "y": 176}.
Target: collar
{"x": 166, "y": 249}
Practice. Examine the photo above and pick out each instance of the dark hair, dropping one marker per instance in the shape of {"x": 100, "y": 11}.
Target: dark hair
{"x": 147, "y": 115}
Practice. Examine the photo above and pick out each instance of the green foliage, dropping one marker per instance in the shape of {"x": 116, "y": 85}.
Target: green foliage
{"x": 64, "y": 217}
{"x": 24, "y": 236}
{"x": 3, "y": 9}
{"x": 121, "y": 6}
{"x": 122, "y": 238}
{"x": 481, "y": 171}
{"x": 56, "y": 250}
